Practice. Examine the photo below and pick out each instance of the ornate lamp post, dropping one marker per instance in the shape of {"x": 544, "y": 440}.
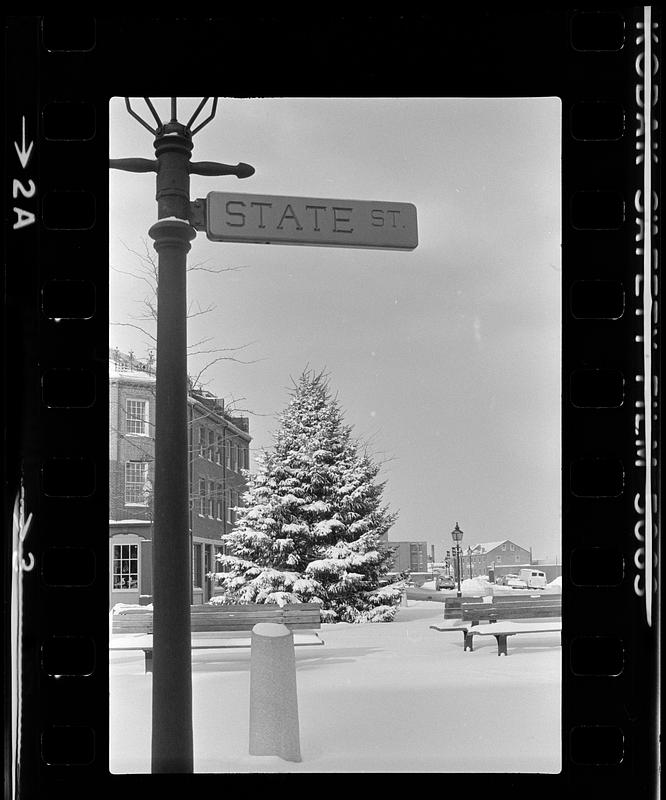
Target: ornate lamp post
{"x": 172, "y": 741}
{"x": 457, "y": 536}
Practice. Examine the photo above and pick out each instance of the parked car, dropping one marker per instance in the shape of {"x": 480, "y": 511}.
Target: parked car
{"x": 446, "y": 582}
{"x": 511, "y": 580}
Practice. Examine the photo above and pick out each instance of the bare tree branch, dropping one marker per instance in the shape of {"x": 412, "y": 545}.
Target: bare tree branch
{"x": 137, "y": 327}
{"x": 201, "y": 311}
{"x": 207, "y": 366}
{"x": 215, "y": 270}
{"x": 147, "y": 272}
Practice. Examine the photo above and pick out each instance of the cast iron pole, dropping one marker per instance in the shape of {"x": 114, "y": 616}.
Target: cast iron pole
{"x": 459, "y": 568}
{"x": 172, "y": 738}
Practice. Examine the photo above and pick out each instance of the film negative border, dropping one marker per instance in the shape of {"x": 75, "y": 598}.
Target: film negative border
{"x": 599, "y": 633}
{"x": 604, "y": 64}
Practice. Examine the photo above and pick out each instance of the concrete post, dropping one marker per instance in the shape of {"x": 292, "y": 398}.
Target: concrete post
{"x": 274, "y": 729}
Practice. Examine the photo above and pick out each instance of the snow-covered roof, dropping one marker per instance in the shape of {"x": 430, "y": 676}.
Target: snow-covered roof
{"x": 129, "y": 375}
{"x": 486, "y": 547}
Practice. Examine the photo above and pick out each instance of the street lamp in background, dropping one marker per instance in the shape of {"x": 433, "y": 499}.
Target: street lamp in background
{"x": 457, "y": 536}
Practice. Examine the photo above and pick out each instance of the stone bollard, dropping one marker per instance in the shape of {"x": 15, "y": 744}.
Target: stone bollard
{"x": 273, "y": 700}
{"x": 403, "y": 599}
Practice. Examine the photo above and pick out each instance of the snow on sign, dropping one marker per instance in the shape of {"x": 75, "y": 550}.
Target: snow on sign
{"x": 272, "y": 219}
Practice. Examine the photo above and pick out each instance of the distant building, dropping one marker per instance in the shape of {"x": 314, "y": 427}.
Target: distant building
{"x": 484, "y": 556}
{"x": 218, "y": 445}
{"x": 412, "y": 556}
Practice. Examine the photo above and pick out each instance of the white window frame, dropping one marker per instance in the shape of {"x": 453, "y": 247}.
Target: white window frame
{"x": 210, "y": 452}
{"x": 202, "y": 441}
{"x": 218, "y": 449}
{"x": 132, "y": 419}
{"x": 140, "y": 492}
{"x": 229, "y": 504}
{"x": 129, "y": 558}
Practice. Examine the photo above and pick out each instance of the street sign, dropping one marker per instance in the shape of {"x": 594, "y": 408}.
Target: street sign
{"x": 273, "y": 219}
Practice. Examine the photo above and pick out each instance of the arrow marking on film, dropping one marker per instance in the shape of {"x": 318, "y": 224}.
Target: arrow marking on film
{"x": 23, "y": 154}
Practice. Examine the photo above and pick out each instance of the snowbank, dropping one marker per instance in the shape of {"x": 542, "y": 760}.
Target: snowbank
{"x": 476, "y": 587}
{"x": 120, "y": 607}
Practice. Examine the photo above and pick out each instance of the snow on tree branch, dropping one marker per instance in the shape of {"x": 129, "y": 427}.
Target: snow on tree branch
{"x": 313, "y": 527}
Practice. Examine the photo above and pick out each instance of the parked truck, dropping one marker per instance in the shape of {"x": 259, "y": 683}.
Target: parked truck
{"x": 534, "y": 578}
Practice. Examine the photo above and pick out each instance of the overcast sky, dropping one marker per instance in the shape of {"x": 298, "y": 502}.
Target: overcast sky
{"x": 446, "y": 358}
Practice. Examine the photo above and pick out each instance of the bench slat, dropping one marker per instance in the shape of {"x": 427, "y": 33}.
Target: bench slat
{"x": 225, "y": 618}
{"x": 500, "y": 599}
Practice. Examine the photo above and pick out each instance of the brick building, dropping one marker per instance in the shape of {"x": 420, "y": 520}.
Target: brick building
{"x": 218, "y": 444}
{"x": 484, "y": 556}
{"x": 412, "y": 556}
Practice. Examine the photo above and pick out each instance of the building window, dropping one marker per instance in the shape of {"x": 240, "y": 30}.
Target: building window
{"x": 197, "y": 577}
{"x": 211, "y": 445}
{"x": 511, "y": 547}
{"x": 229, "y": 504}
{"x": 218, "y": 450}
{"x": 219, "y": 500}
{"x": 227, "y": 454}
{"x": 202, "y": 496}
{"x": 234, "y": 457}
{"x": 136, "y": 477}
{"x": 125, "y": 566}
{"x": 137, "y": 417}
{"x": 202, "y": 442}
{"x": 517, "y": 558}
{"x": 211, "y": 499}
{"x": 498, "y": 559}
{"x": 504, "y": 547}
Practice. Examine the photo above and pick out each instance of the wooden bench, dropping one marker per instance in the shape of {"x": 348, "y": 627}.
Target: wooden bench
{"x": 512, "y": 608}
{"x": 452, "y": 605}
{"x": 506, "y": 607}
{"x": 132, "y": 628}
{"x": 502, "y": 630}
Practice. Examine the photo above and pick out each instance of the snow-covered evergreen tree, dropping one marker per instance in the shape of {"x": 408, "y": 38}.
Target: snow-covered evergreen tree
{"x": 312, "y": 523}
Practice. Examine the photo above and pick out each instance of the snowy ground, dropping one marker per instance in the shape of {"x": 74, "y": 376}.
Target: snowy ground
{"x": 391, "y": 697}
